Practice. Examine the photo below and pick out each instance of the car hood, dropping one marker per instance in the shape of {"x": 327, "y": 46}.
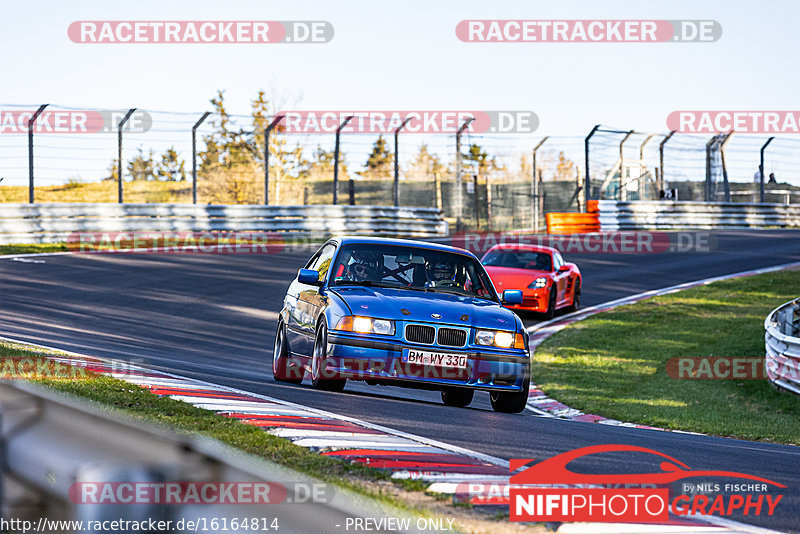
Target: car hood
{"x": 511, "y": 278}
{"x": 388, "y": 303}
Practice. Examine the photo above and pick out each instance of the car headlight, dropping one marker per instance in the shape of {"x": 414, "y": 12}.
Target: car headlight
{"x": 539, "y": 283}
{"x": 365, "y": 325}
{"x": 500, "y": 338}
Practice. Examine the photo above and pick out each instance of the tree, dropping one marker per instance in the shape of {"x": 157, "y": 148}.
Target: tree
{"x": 424, "y": 164}
{"x": 112, "y": 171}
{"x": 526, "y": 166}
{"x": 321, "y": 165}
{"x": 171, "y": 168}
{"x": 565, "y": 169}
{"x": 224, "y": 146}
{"x": 380, "y": 160}
{"x": 285, "y": 161}
{"x": 480, "y": 160}
{"x": 233, "y": 162}
{"x": 141, "y": 166}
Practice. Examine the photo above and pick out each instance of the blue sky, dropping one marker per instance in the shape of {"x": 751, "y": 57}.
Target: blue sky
{"x": 404, "y": 55}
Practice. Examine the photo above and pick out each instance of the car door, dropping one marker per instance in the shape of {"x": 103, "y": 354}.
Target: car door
{"x": 561, "y": 279}
{"x": 309, "y": 303}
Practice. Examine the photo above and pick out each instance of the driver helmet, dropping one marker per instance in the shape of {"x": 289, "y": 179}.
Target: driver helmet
{"x": 440, "y": 270}
{"x": 366, "y": 265}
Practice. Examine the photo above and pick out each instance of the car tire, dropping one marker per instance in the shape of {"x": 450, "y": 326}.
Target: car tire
{"x": 282, "y": 371}
{"x": 511, "y": 402}
{"x": 318, "y": 381}
{"x": 551, "y": 305}
{"x": 458, "y": 397}
{"x": 576, "y": 297}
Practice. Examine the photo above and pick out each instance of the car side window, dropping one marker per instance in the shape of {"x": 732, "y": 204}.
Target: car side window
{"x": 322, "y": 262}
{"x": 558, "y": 261}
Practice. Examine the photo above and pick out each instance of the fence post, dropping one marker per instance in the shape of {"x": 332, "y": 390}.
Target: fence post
{"x": 761, "y": 168}
{"x": 660, "y": 185}
{"x": 267, "y": 130}
{"x": 119, "y": 152}
{"x": 396, "y": 185}
{"x": 643, "y": 167}
{"x": 194, "y": 155}
{"x": 587, "y": 178}
{"x": 459, "y": 193}
{"x": 709, "y": 145}
{"x": 535, "y": 187}
{"x": 437, "y": 186}
{"x": 488, "y": 204}
{"x": 725, "y": 167}
{"x": 31, "y": 123}
{"x": 622, "y": 192}
{"x": 336, "y": 160}
{"x": 351, "y": 189}
{"x": 542, "y": 194}
{"x": 477, "y": 203}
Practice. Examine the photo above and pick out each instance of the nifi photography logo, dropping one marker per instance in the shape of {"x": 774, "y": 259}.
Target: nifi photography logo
{"x": 630, "y": 498}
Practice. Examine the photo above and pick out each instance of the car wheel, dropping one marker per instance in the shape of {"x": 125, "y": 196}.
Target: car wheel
{"x": 459, "y": 397}
{"x": 511, "y": 402}
{"x": 319, "y": 380}
{"x": 551, "y": 305}
{"x": 282, "y": 371}
{"x": 576, "y": 297}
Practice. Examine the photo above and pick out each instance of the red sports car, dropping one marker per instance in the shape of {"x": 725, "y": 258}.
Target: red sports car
{"x": 548, "y": 283}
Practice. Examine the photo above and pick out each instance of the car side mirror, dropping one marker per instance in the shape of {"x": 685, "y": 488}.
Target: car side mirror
{"x": 512, "y": 296}
{"x": 308, "y": 276}
{"x": 563, "y": 269}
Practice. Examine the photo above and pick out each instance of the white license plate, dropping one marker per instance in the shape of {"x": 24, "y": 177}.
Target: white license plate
{"x": 438, "y": 359}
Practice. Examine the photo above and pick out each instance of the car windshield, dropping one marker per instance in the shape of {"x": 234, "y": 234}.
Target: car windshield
{"x": 519, "y": 259}
{"x": 411, "y": 268}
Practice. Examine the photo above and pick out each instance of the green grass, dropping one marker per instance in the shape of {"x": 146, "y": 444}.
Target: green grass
{"x": 613, "y": 364}
{"x": 114, "y": 396}
{"x": 32, "y": 248}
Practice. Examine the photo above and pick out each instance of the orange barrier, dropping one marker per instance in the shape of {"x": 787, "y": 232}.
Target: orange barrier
{"x": 592, "y": 207}
{"x": 572, "y": 223}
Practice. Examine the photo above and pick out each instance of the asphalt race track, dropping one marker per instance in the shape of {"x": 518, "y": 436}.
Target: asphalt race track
{"x": 213, "y": 317}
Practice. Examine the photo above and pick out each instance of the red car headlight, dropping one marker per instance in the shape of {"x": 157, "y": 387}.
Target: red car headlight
{"x": 539, "y": 283}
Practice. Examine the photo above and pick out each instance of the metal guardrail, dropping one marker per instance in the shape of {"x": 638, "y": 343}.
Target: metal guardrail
{"x": 43, "y": 223}
{"x": 782, "y": 344}
{"x": 50, "y": 443}
{"x": 666, "y": 215}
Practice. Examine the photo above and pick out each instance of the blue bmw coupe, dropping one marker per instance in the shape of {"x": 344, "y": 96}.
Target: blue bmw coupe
{"x": 408, "y": 313}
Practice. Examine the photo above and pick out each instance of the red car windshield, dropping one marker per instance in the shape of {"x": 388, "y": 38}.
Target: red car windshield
{"x": 411, "y": 268}
{"x": 519, "y": 259}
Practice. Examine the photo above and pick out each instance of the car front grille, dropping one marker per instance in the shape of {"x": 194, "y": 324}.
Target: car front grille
{"x": 417, "y": 333}
{"x": 452, "y": 337}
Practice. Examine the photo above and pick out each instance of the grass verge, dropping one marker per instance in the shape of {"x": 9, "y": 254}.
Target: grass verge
{"x": 614, "y": 363}
{"x": 32, "y": 248}
{"x": 117, "y": 396}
